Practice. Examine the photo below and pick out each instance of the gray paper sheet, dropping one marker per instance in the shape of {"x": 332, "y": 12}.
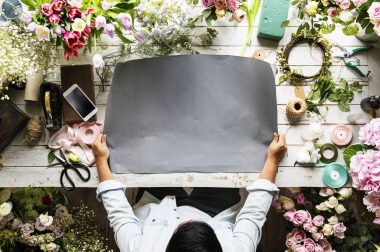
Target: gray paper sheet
{"x": 190, "y": 113}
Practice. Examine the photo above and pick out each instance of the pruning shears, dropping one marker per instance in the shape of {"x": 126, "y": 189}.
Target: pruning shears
{"x": 353, "y": 63}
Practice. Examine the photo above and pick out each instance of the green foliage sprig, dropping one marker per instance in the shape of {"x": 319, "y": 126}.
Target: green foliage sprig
{"x": 326, "y": 89}
{"x": 304, "y": 34}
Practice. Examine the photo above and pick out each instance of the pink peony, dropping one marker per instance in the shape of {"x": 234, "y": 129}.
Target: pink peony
{"x": 332, "y": 12}
{"x": 58, "y": 5}
{"x": 339, "y": 230}
{"x": 300, "y": 217}
{"x": 232, "y": 5}
{"x": 54, "y": 19}
{"x": 300, "y": 199}
{"x": 47, "y": 9}
{"x": 374, "y": 15}
{"x": 370, "y": 133}
{"x": 309, "y": 245}
{"x": 208, "y": 3}
{"x": 365, "y": 172}
{"x": 318, "y": 220}
{"x": 372, "y": 202}
{"x": 73, "y": 14}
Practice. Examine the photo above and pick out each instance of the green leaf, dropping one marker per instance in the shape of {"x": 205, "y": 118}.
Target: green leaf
{"x": 51, "y": 157}
{"x": 327, "y": 28}
{"x": 352, "y": 150}
{"x": 206, "y": 13}
{"x": 343, "y": 106}
{"x": 343, "y": 84}
{"x": 350, "y": 30}
{"x": 334, "y": 97}
{"x": 89, "y": 42}
{"x": 119, "y": 33}
{"x": 356, "y": 87}
{"x": 30, "y": 3}
{"x": 208, "y": 22}
{"x": 369, "y": 28}
{"x": 282, "y": 79}
{"x": 285, "y": 23}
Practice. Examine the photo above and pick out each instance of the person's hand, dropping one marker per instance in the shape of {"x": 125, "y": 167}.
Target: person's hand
{"x": 100, "y": 149}
{"x": 277, "y": 148}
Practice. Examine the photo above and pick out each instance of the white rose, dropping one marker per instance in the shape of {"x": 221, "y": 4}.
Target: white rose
{"x": 345, "y": 192}
{"x": 346, "y": 16}
{"x": 333, "y": 220}
{"x": 328, "y": 230}
{"x": 311, "y": 8}
{"x": 46, "y": 220}
{"x": 332, "y": 202}
{"x": 5, "y": 208}
{"x": 287, "y": 204}
{"x": 340, "y": 209}
{"x": 322, "y": 207}
{"x": 51, "y": 246}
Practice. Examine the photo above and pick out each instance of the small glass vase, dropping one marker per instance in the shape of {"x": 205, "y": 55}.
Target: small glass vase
{"x": 33, "y": 83}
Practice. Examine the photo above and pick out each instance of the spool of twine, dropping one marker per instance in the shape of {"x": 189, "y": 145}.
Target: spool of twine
{"x": 296, "y": 108}
{"x": 34, "y": 129}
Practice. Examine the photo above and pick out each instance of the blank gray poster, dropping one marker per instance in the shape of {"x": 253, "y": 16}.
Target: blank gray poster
{"x": 190, "y": 113}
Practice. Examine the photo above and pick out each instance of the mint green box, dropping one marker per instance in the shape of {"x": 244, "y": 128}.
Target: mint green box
{"x": 273, "y": 13}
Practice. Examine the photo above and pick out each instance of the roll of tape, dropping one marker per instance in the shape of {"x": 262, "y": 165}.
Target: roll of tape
{"x": 47, "y": 102}
{"x": 341, "y": 135}
{"x": 328, "y": 152}
{"x": 296, "y": 108}
{"x": 335, "y": 175}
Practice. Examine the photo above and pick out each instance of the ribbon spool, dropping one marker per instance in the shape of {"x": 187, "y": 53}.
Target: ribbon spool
{"x": 329, "y": 153}
{"x": 296, "y": 108}
{"x": 341, "y": 135}
{"x": 335, "y": 175}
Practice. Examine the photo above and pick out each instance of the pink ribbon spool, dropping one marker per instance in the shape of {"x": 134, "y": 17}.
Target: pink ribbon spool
{"x": 341, "y": 135}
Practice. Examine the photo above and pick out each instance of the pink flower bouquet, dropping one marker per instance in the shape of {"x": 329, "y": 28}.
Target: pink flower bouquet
{"x": 215, "y": 9}
{"x": 76, "y": 24}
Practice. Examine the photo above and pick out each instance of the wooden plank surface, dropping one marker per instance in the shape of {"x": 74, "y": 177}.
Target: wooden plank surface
{"x": 26, "y": 165}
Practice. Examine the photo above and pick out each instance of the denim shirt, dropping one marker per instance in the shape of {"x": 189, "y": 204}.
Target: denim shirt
{"x": 150, "y": 226}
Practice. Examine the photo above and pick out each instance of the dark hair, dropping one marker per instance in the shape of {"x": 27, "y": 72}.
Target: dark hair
{"x": 194, "y": 236}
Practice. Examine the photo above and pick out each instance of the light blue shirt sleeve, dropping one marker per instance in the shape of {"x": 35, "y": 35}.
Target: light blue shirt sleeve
{"x": 251, "y": 218}
{"x": 126, "y": 226}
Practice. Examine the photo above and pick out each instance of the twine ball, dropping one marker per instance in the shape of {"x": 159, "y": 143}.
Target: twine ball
{"x": 296, "y": 108}
{"x": 34, "y": 129}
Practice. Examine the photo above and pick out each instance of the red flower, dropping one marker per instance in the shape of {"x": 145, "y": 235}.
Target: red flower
{"x": 70, "y": 39}
{"x": 54, "y": 19}
{"x": 47, "y": 9}
{"x": 86, "y": 31}
{"x": 88, "y": 11}
{"x": 58, "y": 5}
{"x": 81, "y": 41}
{"x": 74, "y": 13}
{"x": 70, "y": 52}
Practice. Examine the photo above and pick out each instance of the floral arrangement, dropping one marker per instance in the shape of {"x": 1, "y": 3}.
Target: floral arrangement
{"x": 21, "y": 55}
{"x": 321, "y": 221}
{"x": 220, "y": 8}
{"x": 364, "y": 163}
{"x": 32, "y": 219}
{"x": 76, "y": 24}
{"x": 348, "y": 13}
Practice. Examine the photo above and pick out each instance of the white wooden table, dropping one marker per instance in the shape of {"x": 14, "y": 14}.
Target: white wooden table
{"x": 27, "y": 166}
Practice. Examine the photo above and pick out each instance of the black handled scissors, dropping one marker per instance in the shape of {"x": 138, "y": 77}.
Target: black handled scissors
{"x": 74, "y": 167}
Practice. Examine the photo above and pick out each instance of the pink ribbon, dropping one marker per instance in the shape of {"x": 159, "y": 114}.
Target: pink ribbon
{"x": 79, "y": 135}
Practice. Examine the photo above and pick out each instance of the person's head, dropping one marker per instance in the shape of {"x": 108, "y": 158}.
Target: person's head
{"x": 194, "y": 236}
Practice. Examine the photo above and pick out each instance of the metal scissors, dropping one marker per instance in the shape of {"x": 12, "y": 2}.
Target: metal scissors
{"x": 75, "y": 167}
{"x": 346, "y": 54}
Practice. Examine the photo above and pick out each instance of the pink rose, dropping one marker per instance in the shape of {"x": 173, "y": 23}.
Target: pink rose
{"x": 54, "y": 19}
{"x": 332, "y": 12}
{"x": 47, "y": 9}
{"x": 276, "y": 204}
{"x": 318, "y": 248}
{"x": 309, "y": 245}
{"x": 300, "y": 199}
{"x": 289, "y": 216}
{"x": 325, "y": 245}
{"x": 317, "y": 236}
{"x": 238, "y": 16}
{"x": 318, "y": 220}
{"x": 358, "y": 3}
{"x": 232, "y": 5}
{"x": 345, "y": 4}
{"x": 339, "y": 230}
{"x": 300, "y": 217}
{"x": 377, "y": 221}
{"x": 74, "y": 13}
{"x": 290, "y": 243}
{"x": 324, "y": 192}
{"x": 220, "y": 4}
{"x": 299, "y": 235}
{"x": 374, "y": 15}
{"x": 299, "y": 248}
{"x": 58, "y": 5}
{"x": 208, "y": 3}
